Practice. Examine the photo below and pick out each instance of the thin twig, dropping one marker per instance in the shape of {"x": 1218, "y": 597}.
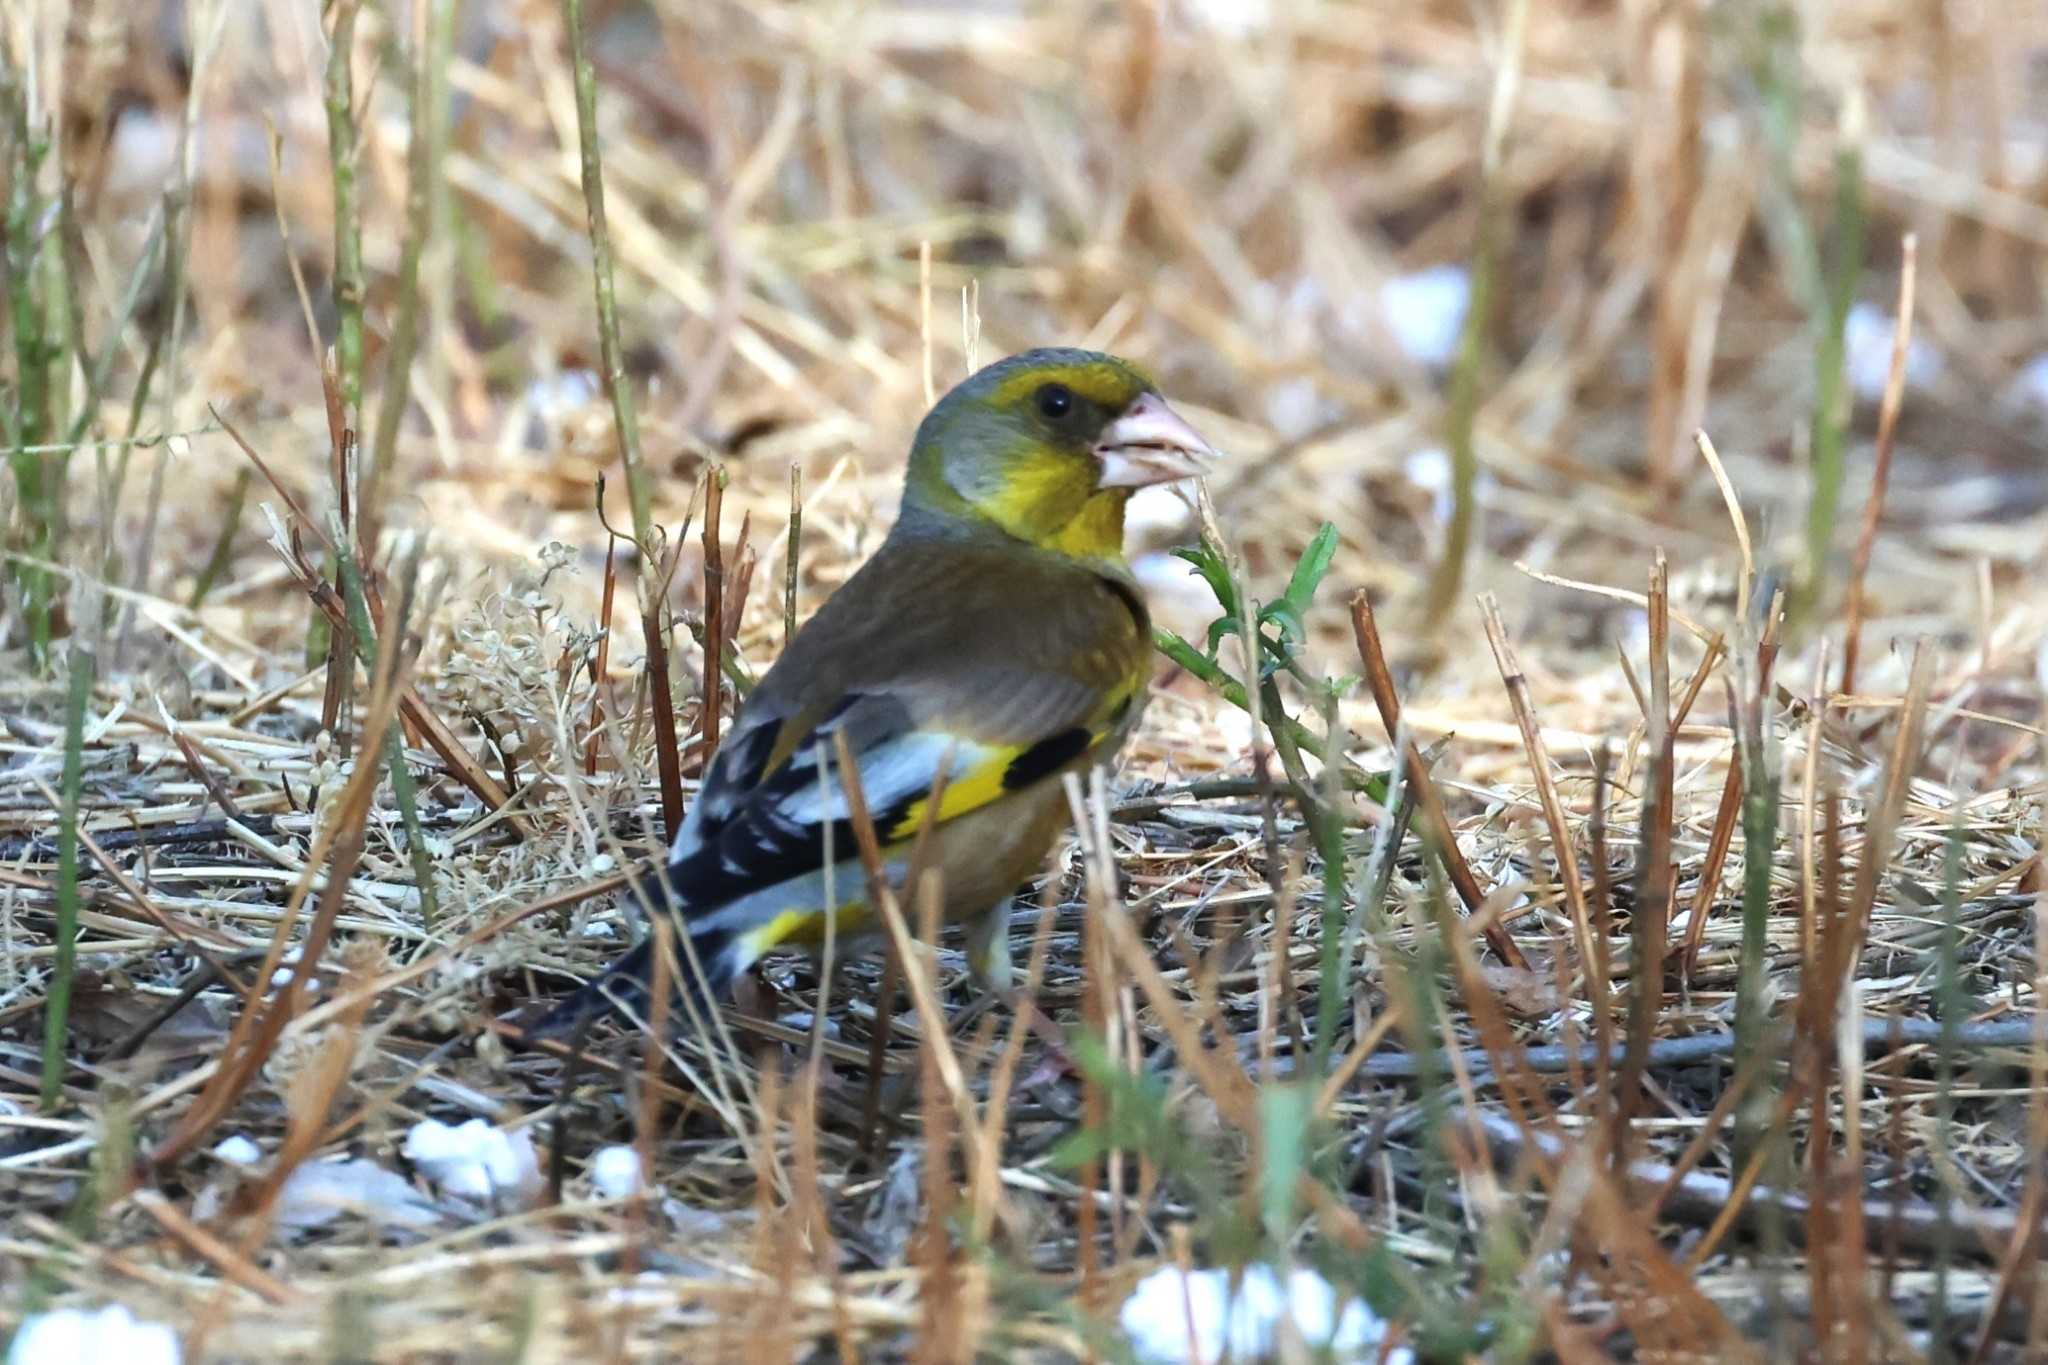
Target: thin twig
{"x": 714, "y": 614}
{"x": 791, "y": 545}
{"x": 1881, "y": 470}
{"x": 1654, "y": 873}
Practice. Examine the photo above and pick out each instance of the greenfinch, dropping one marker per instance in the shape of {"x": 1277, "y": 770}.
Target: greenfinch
{"x": 996, "y": 638}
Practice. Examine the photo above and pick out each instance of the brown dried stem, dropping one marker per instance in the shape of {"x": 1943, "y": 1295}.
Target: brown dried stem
{"x": 1436, "y": 822}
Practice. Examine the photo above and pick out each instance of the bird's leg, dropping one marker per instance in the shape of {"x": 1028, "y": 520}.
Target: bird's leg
{"x": 988, "y": 948}
{"x": 565, "y": 1091}
{"x": 988, "y": 962}
{"x": 988, "y": 957}
{"x": 878, "y": 1046}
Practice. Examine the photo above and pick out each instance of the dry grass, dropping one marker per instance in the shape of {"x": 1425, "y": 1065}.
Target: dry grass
{"x": 1820, "y": 1131}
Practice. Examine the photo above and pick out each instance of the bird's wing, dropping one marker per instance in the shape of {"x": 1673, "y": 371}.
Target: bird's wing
{"x": 1012, "y": 672}
{"x": 993, "y": 667}
{"x": 773, "y": 797}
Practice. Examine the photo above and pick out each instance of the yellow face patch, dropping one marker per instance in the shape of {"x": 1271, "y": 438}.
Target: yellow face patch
{"x": 1112, "y": 384}
{"x": 1038, "y": 480}
{"x": 1097, "y": 532}
{"x": 1015, "y": 445}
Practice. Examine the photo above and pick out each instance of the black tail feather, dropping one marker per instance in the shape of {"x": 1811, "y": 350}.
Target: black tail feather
{"x": 701, "y": 977}
{"x": 626, "y": 987}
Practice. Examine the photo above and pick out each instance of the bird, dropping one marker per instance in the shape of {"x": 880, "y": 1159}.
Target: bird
{"x": 995, "y": 637}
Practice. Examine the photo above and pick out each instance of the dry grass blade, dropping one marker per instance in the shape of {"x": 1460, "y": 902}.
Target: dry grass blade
{"x": 931, "y": 1016}
{"x": 1654, "y": 874}
{"x": 1437, "y": 321}
{"x": 336, "y": 850}
{"x": 412, "y": 709}
{"x": 1436, "y": 822}
{"x": 714, "y": 614}
{"x": 1562, "y": 845}
{"x": 233, "y": 1264}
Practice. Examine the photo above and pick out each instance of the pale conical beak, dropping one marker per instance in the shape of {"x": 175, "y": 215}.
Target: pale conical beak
{"x": 1150, "y": 443}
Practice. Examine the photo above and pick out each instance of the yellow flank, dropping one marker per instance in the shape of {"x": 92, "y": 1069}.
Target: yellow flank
{"x": 977, "y": 788}
{"x": 1103, "y": 381}
{"x": 803, "y": 928}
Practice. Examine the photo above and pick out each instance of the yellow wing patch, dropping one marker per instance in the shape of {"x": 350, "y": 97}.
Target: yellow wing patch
{"x": 980, "y": 785}
{"x": 1001, "y": 770}
{"x": 804, "y": 928}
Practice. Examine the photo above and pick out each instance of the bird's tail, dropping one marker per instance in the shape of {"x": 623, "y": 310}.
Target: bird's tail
{"x": 627, "y": 986}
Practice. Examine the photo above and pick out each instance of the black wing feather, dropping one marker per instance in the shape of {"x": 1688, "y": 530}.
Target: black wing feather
{"x": 747, "y": 838}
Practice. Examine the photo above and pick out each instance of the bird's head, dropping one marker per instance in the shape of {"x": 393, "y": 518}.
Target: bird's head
{"x": 1047, "y": 447}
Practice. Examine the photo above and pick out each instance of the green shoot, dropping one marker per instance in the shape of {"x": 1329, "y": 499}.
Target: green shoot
{"x": 57, "y": 1008}
{"x": 1273, "y": 634}
{"x": 1279, "y": 631}
{"x": 35, "y": 315}
{"x": 343, "y": 142}
{"x": 403, "y": 787}
{"x": 1831, "y": 393}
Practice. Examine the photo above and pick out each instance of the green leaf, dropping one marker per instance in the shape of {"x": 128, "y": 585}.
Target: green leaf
{"x": 1215, "y": 572}
{"x": 1285, "y": 1113}
{"x": 1293, "y": 629}
{"x": 1309, "y": 570}
{"x": 1136, "y": 1117}
{"x": 1078, "y": 1148}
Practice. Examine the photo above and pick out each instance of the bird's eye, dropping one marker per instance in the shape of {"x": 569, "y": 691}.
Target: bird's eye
{"x": 1055, "y": 400}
